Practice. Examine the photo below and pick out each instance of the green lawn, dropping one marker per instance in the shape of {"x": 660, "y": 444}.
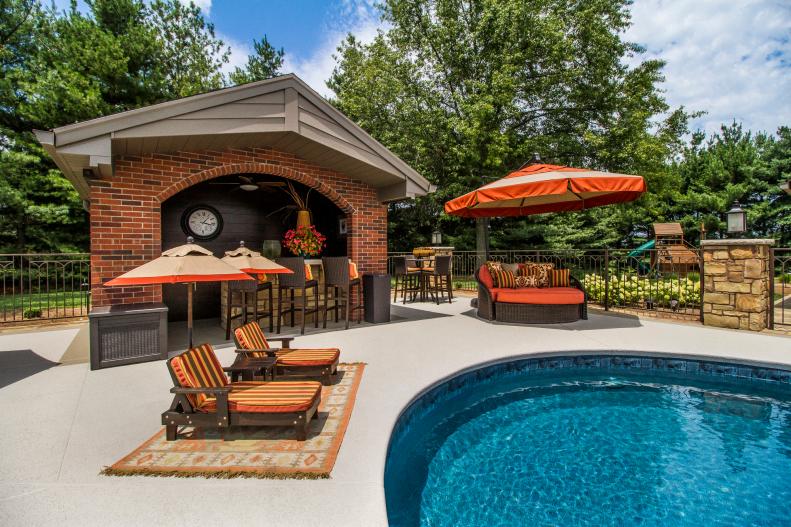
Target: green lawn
{"x": 42, "y": 301}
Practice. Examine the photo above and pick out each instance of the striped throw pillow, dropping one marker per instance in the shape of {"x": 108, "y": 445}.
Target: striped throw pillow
{"x": 560, "y": 278}
{"x": 539, "y": 270}
{"x": 503, "y": 279}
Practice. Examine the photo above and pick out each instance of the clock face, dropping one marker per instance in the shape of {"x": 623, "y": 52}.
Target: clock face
{"x": 202, "y": 222}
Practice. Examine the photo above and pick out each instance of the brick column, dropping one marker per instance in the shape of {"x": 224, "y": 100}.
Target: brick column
{"x": 736, "y": 283}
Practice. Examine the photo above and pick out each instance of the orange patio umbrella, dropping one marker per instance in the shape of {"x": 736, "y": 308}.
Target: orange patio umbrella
{"x": 253, "y": 262}
{"x": 185, "y": 264}
{"x": 538, "y": 188}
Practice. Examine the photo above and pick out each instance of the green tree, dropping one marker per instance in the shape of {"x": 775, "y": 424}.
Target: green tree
{"x": 263, "y": 64}
{"x": 190, "y": 48}
{"x": 62, "y": 67}
{"x": 735, "y": 165}
{"x": 466, "y": 91}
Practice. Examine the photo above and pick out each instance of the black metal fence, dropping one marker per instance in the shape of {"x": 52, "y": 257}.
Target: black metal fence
{"x": 44, "y": 286}
{"x": 780, "y": 288}
{"x": 659, "y": 280}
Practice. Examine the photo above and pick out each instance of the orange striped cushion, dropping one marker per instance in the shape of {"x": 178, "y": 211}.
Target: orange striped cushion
{"x": 353, "y": 271}
{"x": 307, "y": 357}
{"x": 308, "y": 272}
{"x": 198, "y": 368}
{"x": 251, "y": 337}
{"x": 559, "y": 277}
{"x": 268, "y": 397}
{"x": 503, "y": 279}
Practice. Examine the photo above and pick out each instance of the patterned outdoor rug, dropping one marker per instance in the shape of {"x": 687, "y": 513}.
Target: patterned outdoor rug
{"x": 260, "y": 452}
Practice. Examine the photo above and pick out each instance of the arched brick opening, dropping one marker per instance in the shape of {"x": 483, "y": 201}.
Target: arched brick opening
{"x": 126, "y": 209}
{"x": 258, "y": 168}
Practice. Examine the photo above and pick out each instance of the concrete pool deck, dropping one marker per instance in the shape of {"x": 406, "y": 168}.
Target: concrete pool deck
{"x": 63, "y": 423}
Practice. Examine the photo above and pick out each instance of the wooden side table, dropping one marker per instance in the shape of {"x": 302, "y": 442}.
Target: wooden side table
{"x": 248, "y": 367}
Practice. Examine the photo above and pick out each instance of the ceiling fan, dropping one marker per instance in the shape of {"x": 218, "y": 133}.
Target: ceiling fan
{"x": 249, "y": 184}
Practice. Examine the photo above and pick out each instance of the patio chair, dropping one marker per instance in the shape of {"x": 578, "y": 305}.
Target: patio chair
{"x": 240, "y": 294}
{"x": 439, "y": 278}
{"x": 203, "y": 397}
{"x": 289, "y": 283}
{"x": 339, "y": 280}
{"x": 407, "y": 273}
{"x": 322, "y": 362}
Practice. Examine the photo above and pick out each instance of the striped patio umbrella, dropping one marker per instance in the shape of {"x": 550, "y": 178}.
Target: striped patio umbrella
{"x": 540, "y": 188}
{"x": 185, "y": 264}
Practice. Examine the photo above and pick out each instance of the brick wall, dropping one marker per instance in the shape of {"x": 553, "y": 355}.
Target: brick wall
{"x": 125, "y": 210}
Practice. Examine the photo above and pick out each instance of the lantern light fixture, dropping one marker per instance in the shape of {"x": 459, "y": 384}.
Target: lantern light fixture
{"x": 436, "y": 238}
{"x": 737, "y": 219}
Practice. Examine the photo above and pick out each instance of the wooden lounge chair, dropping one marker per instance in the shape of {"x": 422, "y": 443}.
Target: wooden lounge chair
{"x": 203, "y": 397}
{"x": 321, "y": 362}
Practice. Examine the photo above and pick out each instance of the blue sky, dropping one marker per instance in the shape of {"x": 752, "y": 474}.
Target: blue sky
{"x": 284, "y": 22}
{"x": 730, "y": 58}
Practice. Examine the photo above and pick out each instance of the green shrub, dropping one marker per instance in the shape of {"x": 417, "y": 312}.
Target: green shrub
{"x": 642, "y": 291}
{"x": 31, "y": 313}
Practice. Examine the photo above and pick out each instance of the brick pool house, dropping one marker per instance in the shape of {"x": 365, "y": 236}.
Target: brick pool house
{"x": 139, "y": 172}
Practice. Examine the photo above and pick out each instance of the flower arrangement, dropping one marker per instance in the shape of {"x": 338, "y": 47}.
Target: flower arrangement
{"x": 304, "y": 241}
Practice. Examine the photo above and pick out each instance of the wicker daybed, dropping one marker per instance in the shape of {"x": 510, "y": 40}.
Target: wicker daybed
{"x": 530, "y": 305}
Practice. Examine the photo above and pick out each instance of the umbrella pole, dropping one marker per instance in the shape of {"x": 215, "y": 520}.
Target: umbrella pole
{"x": 482, "y": 239}
{"x": 189, "y": 313}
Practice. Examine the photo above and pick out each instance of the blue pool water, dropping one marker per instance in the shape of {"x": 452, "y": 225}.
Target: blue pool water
{"x": 593, "y": 446}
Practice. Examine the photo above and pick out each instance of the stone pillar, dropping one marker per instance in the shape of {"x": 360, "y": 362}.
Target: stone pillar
{"x": 736, "y": 283}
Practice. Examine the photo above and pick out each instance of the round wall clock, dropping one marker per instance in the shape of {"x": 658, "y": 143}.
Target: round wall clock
{"x": 202, "y": 222}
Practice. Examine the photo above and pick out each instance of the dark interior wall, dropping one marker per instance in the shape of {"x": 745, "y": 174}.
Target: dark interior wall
{"x": 250, "y": 216}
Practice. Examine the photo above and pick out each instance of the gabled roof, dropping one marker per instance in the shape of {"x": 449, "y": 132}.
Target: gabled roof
{"x": 282, "y": 112}
{"x": 668, "y": 229}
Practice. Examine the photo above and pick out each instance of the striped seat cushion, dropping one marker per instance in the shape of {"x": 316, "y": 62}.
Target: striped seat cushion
{"x": 251, "y": 337}
{"x": 268, "y": 397}
{"x": 198, "y": 367}
{"x": 307, "y": 357}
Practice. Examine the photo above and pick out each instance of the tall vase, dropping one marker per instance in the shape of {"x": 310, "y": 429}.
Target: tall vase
{"x": 303, "y": 218}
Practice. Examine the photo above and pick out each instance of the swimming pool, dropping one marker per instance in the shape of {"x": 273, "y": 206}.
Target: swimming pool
{"x": 595, "y": 440}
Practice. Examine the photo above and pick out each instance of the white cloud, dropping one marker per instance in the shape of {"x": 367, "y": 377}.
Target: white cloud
{"x": 239, "y": 52}
{"x": 205, "y": 5}
{"x": 358, "y": 17}
{"x": 731, "y": 59}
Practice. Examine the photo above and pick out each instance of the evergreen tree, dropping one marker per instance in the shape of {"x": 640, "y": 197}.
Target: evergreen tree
{"x": 58, "y": 68}
{"x": 265, "y": 63}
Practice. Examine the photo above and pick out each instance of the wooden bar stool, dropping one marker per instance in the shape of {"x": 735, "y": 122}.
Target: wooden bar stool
{"x": 289, "y": 283}
{"x": 338, "y": 279}
{"x": 270, "y": 312}
{"x": 439, "y": 278}
{"x": 407, "y": 273}
{"x": 238, "y": 291}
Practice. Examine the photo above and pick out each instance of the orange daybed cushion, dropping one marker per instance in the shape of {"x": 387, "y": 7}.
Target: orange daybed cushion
{"x": 541, "y": 295}
{"x": 486, "y": 278}
{"x": 268, "y": 397}
{"x": 307, "y": 357}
